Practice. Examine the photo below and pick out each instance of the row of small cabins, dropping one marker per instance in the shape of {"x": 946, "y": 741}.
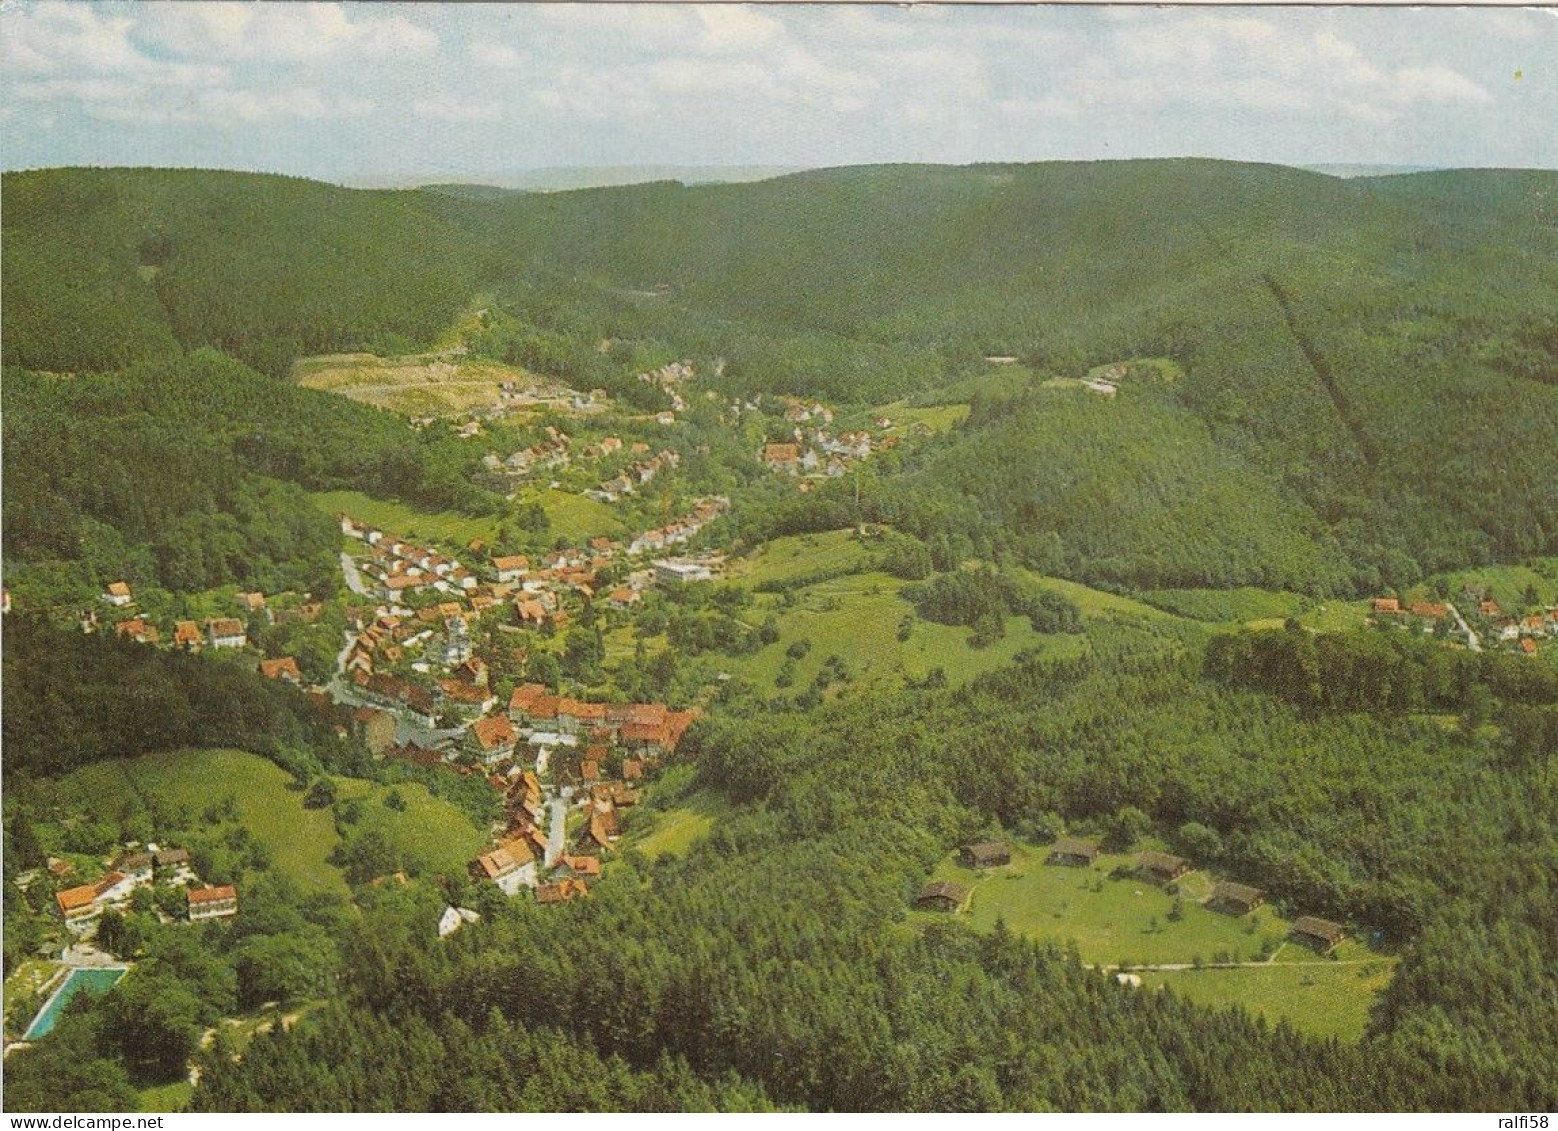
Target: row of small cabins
{"x": 83, "y": 905}
{"x": 1156, "y": 867}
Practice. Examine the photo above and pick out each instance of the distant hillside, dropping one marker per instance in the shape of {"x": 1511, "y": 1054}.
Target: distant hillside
{"x": 1382, "y": 351}
{"x": 1355, "y": 170}
{"x": 563, "y": 178}
{"x": 104, "y": 267}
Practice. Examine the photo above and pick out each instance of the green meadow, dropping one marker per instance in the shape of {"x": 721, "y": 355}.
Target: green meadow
{"x": 858, "y": 618}
{"x": 676, "y": 829}
{"x": 1260, "y": 608}
{"x": 1130, "y": 922}
{"x": 1326, "y": 1000}
{"x": 800, "y": 556}
{"x": 449, "y": 527}
{"x": 299, "y": 840}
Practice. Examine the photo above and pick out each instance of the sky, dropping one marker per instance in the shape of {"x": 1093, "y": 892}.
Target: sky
{"x": 344, "y": 92}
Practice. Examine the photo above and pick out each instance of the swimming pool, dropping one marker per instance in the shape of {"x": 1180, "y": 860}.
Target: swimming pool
{"x": 92, "y": 979}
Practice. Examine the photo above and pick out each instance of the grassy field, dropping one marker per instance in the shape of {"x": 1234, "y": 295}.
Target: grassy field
{"x": 802, "y": 555}
{"x": 1095, "y": 603}
{"x": 420, "y": 385}
{"x": 675, "y": 830}
{"x": 439, "y": 837}
{"x": 573, "y": 516}
{"x": 990, "y": 380}
{"x": 167, "y": 1098}
{"x": 1507, "y": 584}
{"x": 857, "y": 619}
{"x": 1164, "y": 369}
{"x": 1127, "y": 922}
{"x": 1327, "y": 1001}
{"x": 1111, "y": 921}
{"x": 299, "y": 840}
{"x": 1259, "y": 608}
{"x": 406, "y": 521}
{"x": 908, "y": 418}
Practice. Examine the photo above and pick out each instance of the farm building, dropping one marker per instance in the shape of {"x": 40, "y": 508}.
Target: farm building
{"x": 171, "y": 857}
{"x": 284, "y": 668}
{"x": 562, "y": 891}
{"x": 1160, "y": 867}
{"x": 984, "y": 855}
{"x": 1235, "y": 899}
{"x": 1073, "y": 853}
{"x": 227, "y": 632}
{"x": 213, "y": 903}
{"x": 1321, "y": 934}
{"x": 941, "y": 896}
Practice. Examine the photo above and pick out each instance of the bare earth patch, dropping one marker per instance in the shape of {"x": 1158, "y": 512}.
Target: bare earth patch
{"x": 431, "y": 384}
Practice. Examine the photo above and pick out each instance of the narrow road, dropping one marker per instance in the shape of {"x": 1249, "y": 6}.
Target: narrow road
{"x": 555, "y": 843}
{"x": 1472, "y": 643}
{"x": 354, "y": 580}
{"x": 1266, "y": 965}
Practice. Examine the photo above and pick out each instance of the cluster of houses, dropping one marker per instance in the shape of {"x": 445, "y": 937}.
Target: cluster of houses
{"x": 1161, "y": 868}
{"x": 821, "y": 453}
{"x": 441, "y": 635}
{"x": 669, "y": 377}
{"x": 1518, "y": 633}
{"x": 680, "y": 530}
{"x": 216, "y": 633}
{"x": 83, "y": 905}
{"x": 574, "y": 741}
{"x": 645, "y": 730}
{"x": 1483, "y": 614}
{"x": 797, "y": 411}
{"x": 1424, "y": 616}
{"x": 397, "y": 566}
{"x": 634, "y": 476}
{"x": 550, "y": 454}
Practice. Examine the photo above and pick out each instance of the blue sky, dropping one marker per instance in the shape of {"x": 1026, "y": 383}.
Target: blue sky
{"x": 344, "y": 92}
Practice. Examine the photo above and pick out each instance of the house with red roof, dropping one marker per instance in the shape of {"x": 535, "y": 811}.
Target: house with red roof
{"x": 492, "y": 738}
{"x": 213, "y": 902}
{"x": 285, "y": 667}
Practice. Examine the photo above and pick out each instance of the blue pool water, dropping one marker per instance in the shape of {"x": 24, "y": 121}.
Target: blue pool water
{"x": 98, "y": 980}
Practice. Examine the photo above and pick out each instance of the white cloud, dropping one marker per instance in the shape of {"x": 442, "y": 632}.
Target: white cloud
{"x": 446, "y": 108}
{"x": 230, "y": 109}
{"x": 736, "y": 28}
{"x": 1045, "y": 107}
{"x": 1240, "y": 62}
{"x": 298, "y": 33}
{"x": 495, "y": 55}
{"x": 1433, "y": 86}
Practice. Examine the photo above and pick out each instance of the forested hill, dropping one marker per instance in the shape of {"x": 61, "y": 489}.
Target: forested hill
{"x": 1380, "y": 351}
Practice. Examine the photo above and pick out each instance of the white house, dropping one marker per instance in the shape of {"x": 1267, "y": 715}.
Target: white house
{"x": 212, "y": 903}
{"x": 227, "y": 632}
{"x": 673, "y": 572}
{"x": 512, "y": 865}
{"x": 454, "y": 918}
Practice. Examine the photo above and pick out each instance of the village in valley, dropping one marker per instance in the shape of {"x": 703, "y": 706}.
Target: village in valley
{"x": 553, "y": 659}
{"x": 439, "y": 639}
